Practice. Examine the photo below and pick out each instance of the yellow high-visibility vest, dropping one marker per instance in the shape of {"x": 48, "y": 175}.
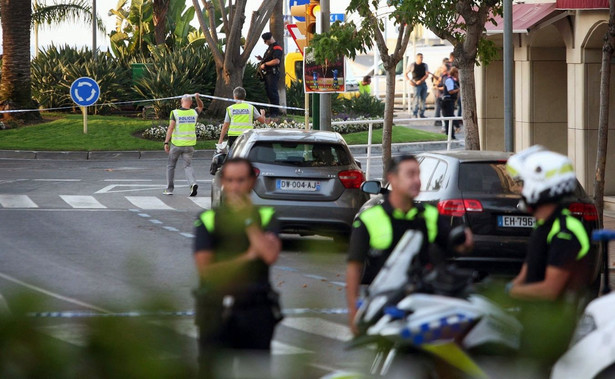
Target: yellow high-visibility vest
{"x": 242, "y": 118}
{"x": 184, "y": 133}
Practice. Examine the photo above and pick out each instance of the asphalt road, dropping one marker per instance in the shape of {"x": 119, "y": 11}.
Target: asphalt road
{"x": 99, "y": 236}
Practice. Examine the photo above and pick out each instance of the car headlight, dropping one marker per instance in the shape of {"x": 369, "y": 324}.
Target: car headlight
{"x": 586, "y": 325}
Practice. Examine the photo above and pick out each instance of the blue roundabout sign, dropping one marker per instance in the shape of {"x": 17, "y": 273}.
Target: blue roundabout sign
{"x": 85, "y": 91}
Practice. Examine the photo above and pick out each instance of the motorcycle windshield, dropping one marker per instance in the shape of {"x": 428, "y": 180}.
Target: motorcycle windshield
{"x": 394, "y": 273}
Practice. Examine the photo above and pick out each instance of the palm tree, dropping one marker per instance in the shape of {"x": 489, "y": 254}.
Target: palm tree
{"x": 15, "y": 91}
{"x": 68, "y": 10}
{"x": 161, "y": 7}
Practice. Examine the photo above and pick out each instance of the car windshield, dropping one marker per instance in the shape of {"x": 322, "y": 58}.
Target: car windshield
{"x": 487, "y": 177}
{"x": 299, "y": 154}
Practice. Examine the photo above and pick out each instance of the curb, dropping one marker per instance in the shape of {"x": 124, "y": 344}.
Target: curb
{"x": 396, "y": 148}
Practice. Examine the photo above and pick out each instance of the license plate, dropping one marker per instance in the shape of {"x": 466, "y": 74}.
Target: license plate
{"x": 297, "y": 185}
{"x": 516, "y": 221}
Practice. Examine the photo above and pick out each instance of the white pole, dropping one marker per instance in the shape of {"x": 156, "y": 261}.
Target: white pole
{"x": 369, "y": 149}
{"x": 94, "y": 29}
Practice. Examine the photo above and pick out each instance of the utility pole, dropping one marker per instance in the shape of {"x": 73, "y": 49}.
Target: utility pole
{"x": 325, "y": 98}
{"x": 94, "y": 48}
{"x": 508, "y": 77}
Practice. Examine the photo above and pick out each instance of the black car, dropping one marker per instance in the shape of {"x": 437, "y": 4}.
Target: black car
{"x": 473, "y": 188}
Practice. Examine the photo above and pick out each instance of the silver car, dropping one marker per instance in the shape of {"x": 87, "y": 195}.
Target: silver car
{"x": 309, "y": 177}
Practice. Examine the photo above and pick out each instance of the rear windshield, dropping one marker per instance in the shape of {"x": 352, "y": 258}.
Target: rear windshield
{"x": 299, "y": 154}
{"x": 487, "y": 177}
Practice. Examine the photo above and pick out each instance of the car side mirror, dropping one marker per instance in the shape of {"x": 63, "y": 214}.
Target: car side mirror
{"x": 216, "y": 162}
{"x": 358, "y": 163}
{"x": 372, "y": 187}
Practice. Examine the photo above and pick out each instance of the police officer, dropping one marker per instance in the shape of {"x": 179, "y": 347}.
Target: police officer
{"x": 234, "y": 247}
{"x": 270, "y": 66}
{"x": 379, "y": 228}
{"x": 180, "y": 141}
{"x": 239, "y": 117}
{"x": 555, "y": 279}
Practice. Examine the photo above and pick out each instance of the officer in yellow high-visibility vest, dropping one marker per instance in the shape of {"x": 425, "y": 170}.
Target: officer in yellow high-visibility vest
{"x": 379, "y": 228}
{"x": 180, "y": 141}
{"x": 239, "y": 117}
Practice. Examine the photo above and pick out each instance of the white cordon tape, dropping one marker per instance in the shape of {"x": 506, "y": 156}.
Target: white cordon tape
{"x": 190, "y": 313}
{"x": 151, "y": 100}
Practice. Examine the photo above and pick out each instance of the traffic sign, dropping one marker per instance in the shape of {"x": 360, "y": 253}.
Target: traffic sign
{"x": 296, "y": 34}
{"x": 84, "y": 91}
{"x": 336, "y": 17}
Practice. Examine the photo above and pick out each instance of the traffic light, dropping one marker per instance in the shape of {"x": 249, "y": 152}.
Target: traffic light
{"x": 309, "y": 12}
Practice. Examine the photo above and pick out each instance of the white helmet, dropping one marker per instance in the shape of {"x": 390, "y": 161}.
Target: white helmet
{"x": 547, "y": 176}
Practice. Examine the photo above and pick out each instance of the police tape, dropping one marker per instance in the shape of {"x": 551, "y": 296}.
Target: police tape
{"x": 147, "y": 101}
{"x": 188, "y": 313}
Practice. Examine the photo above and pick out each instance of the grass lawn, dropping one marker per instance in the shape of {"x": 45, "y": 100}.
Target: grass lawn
{"x": 109, "y": 133}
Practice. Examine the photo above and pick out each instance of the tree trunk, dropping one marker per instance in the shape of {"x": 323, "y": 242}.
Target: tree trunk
{"x": 161, "y": 8}
{"x": 468, "y": 103}
{"x": 276, "y": 24}
{"x": 603, "y": 119}
{"x": 226, "y": 82}
{"x": 15, "y": 86}
{"x": 387, "y": 128}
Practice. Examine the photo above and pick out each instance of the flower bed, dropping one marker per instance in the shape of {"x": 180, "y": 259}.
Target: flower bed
{"x": 212, "y": 132}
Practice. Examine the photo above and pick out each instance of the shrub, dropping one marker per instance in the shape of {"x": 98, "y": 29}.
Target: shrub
{"x": 55, "y": 69}
{"x": 188, "y": 69}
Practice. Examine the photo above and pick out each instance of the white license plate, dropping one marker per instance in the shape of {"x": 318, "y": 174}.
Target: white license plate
{"x": 297, "y": 185}
{"x": 516, "y": 221}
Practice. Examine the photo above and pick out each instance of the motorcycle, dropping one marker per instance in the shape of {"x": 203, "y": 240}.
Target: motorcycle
{"x": 592, "y": 350}
{"x": 430, "y": 313}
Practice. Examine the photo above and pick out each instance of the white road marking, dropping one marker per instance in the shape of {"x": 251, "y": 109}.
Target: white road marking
{"x": 88, "y": 202}
{"x": 187, "y": 235}
{"x": 148, "y": 202}
{"x": 203, "y": 202}
{"x": 72, "y": 333}
{"x": 157, "y": 222}
{"x": 170, "y": 229}
{"x": 17, "y": 201}
{"x": 131, "y": 188}
{"x": 320, "y": 327}
{"x": 280, "y": 348}
{"x": 52, "y": 294}
{"x": 128, "y": 180}
{"x": 57, "y": 180}
{"x": 4, "y": 307}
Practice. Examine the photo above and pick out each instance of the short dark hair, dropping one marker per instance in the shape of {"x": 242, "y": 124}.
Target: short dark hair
{"x": 396, "y": 161}
{"x": 367, "y": 78}
{"x": 267, "y": 36}
{"x": 252, "y": 171}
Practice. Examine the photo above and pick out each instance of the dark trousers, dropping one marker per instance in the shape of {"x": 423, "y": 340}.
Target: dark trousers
{"x": 271, "y": 86}
{"x": 448, "y": 110}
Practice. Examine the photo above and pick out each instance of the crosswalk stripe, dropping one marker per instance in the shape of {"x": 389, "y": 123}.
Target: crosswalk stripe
{"x": 203, "y": 202}
{"x": 320, "y": 327}
{"x": 148, "y": 202}
{"x": 87, "y": 202}
{"x": 72, "y": 333}
{"x": 17, "y": 201}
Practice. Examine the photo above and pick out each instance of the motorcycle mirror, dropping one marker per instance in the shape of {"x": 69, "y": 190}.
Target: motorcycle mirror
{"x": 372, "y": 187}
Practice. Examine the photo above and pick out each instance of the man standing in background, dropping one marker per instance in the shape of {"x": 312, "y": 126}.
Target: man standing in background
{"x": 270, "y": 66}
{"x": 420, "y": 72}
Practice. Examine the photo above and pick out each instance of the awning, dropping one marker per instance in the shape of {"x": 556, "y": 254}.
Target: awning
{"x": 582, "y": 4}
{"x": 524, "y": 16}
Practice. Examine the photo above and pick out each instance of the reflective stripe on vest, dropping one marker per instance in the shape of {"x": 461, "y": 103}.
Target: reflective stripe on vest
{"x": 208, "y": 218}
{"x": 242, "y": 118}
{"x": 575, "y": 226}
{"x": 184, "y": 133}
{"x": 380, "y": 228}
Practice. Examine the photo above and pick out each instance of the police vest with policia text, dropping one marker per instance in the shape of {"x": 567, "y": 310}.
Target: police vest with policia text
{"x": 184, "y": 133}
{"x": 242, "y": 118}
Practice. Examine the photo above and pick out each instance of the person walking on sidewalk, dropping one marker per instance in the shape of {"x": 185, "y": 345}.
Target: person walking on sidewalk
{"x": 180, "y": 141}
{"x": 420, "y": 72}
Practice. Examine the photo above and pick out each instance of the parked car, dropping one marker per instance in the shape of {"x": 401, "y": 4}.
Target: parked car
{"x": 310, "y": 177}
{"x": 473, "y": 188}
